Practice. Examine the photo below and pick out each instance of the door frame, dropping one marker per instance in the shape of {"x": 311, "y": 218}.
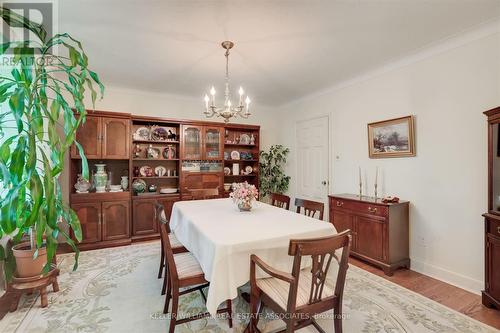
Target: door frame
{"x": 329, "y": 142}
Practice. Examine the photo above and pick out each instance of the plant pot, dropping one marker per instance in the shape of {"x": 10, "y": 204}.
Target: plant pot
{"x": 26, "y": 266}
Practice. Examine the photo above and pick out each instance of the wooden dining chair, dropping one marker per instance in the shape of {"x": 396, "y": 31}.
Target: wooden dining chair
{"x": 280, "y": 200}
{"x": 203, "y": 194}
{"x": 303, "y": 293}
{"x": 185, "y": 272}
{"x": 177, "y": 246}
{"x": 310, "y": 207}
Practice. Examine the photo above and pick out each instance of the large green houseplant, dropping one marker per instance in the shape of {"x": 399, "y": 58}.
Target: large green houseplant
{"x": 272, "y": 174}
{"x": 40, "y": 92}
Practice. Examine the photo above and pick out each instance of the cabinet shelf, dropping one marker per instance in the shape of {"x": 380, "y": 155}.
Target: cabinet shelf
{"x": 251, "y": 175}
{"x": 234, "y": 161}
{"x": 153, "y": 141}
{"x": 155, "y": 159}
{"x": 239, "y": 145}
{"x": 155, "y": 177}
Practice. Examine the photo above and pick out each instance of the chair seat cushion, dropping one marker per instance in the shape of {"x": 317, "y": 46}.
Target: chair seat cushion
{"x": 278, "y": 289}
{"x": 174, "y": 242}
{"x": 187, "y": 265}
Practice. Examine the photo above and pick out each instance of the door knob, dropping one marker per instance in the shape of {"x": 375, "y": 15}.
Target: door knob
{"x": 324, "y": 182}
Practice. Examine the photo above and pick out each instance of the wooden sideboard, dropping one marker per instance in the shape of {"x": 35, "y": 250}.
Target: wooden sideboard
{"x": 112, "y": 219}
{"x": 491, "y": 292}
{"x": 380, "y": 231}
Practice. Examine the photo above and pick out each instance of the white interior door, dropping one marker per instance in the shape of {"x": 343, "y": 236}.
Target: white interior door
{"x": 312, "y": 160}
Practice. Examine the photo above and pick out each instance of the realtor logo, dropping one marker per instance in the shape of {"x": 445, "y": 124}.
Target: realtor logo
{"x": 38, "y": 12}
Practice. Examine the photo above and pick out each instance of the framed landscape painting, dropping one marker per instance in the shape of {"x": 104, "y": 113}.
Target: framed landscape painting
{"x": 391, "y": 138}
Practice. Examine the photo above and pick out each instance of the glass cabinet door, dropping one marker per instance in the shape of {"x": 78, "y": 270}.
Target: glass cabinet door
{"x": 191, "y": 136}
{"x": 213, "y": 143}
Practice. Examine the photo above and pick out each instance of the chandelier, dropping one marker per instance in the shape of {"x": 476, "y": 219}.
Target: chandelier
{"x": 228, "y": 110}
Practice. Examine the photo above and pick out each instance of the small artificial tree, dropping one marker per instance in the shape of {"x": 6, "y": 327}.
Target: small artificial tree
{"x": 272, "y": 178}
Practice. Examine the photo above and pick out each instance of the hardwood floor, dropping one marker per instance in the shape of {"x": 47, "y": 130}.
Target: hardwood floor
{"x": 453, "y": 297}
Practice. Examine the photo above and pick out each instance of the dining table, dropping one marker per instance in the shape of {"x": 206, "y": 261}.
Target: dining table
{"x": 222, "y": 239}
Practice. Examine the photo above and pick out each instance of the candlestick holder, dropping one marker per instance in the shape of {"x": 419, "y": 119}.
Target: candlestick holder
{"x": 375, "y": 191}
{"x": 360, "y": 190}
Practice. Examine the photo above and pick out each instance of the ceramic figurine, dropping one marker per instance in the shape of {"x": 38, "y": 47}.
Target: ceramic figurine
{"x": 124, "y": 182}
{"x": 152, "y": 188}
{"x": 136, "y": 171}
{"x": 137, "y": 151}
{"x": 82, "y": 185}
{"x": 252, "y": 140}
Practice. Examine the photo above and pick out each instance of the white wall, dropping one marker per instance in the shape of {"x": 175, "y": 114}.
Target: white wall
{"x": 446, "y": 88}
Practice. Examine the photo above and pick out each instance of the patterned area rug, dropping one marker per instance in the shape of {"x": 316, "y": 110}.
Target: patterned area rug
{"x": 116, "y": 290}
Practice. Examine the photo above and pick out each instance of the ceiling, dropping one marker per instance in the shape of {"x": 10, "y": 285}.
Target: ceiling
{"x": 285, "y": 49}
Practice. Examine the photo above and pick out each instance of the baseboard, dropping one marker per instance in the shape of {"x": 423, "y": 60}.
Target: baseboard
{"x": 456, "y": 279}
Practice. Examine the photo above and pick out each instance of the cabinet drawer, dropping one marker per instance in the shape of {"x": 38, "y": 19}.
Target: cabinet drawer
{"x": 494, "y": 227}
{"x": 360, "y": 207}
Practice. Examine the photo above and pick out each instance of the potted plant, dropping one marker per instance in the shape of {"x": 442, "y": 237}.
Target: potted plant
{"x": 39, "y": 97}
{"x": 272, "y": 178}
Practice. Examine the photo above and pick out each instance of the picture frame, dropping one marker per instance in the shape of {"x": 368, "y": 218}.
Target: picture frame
{"x": 392, "y": 138}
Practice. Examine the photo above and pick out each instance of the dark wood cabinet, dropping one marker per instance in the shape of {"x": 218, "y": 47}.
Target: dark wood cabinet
{"x": 491, "y": 292}
{"x": 144, "y": 224}
{"x": 113, "y": 129}
{"x": 380, "y": 231}
{"x": 88, "y": 136}
{"x": 111, "y": 219}
{"x": 115, "y": 220}
{"x": 104, "y": 217}
{"x": 89, "y": 214}
{"x": 144, "y": 217}
{"x": 103, "y": 138}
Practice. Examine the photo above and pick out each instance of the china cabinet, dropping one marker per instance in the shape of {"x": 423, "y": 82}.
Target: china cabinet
{"x": 491, "y": 292}
{"x": 169, "y": 157}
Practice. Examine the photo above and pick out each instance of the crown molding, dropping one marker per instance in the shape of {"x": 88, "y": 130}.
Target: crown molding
{"x": 463, "y": 38}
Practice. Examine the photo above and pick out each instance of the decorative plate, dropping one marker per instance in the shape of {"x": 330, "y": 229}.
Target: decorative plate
{"x": 139, "y": 185}
{"x": 160, "y": 171}
{"x": 145, "y": 171}
{"x": 227, "y": 171}
{"x": 159, "y": 133}
{"x": 248, "y": 169}
{"x": 235, "y": 155}
{"x": 142, "y": 133}
{"x": 168, "y": 190}
{"x": 244, "y": 139}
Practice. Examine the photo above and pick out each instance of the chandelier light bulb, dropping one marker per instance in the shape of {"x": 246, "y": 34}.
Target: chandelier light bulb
{"x": 247, "y": 100}
{"x": 241, "y": 91}
{"x": 212, "y": 91}
{"x": 206, "y": 98}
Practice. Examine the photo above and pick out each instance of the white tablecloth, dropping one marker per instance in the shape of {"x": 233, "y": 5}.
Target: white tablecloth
{"x": 222, "y": 239}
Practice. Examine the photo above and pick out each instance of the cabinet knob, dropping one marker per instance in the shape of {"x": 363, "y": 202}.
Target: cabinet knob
{"x": 498, "y": 230}
{"x": 372, "y": 210}
{"x": 340, "y": 203}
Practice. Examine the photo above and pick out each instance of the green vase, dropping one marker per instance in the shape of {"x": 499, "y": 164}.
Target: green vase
{"x": 100, "y": 177}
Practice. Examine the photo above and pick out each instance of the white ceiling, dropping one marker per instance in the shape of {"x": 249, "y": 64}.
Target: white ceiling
{"x": 285, "y": 49}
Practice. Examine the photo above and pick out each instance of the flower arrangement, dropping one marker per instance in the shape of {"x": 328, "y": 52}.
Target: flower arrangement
{"x": 243, "y": 194}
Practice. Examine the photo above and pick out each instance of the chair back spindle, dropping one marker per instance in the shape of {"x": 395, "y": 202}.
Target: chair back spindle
{"x": 280, "y": 200}
{"x": 310, "y": 207}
